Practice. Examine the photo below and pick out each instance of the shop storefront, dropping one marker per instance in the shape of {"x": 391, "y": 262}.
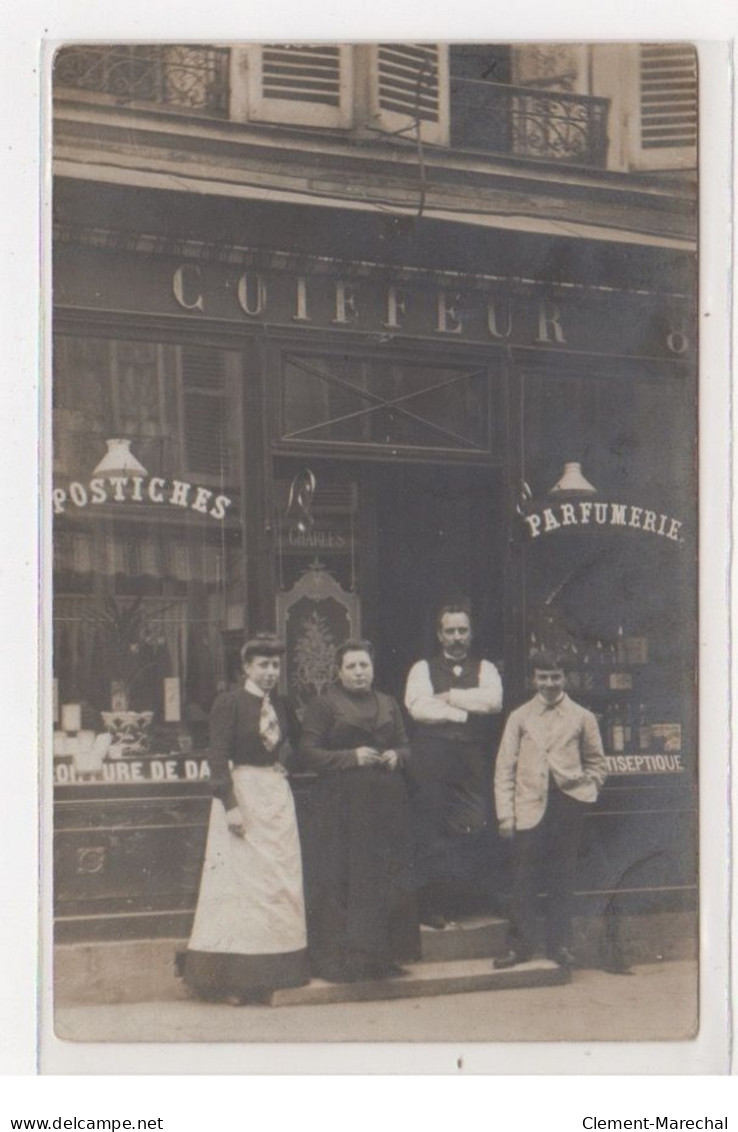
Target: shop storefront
{"x": 260, "y": 432}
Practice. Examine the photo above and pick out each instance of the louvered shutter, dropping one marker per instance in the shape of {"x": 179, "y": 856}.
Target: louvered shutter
{"x": 308, "y": 85}
{"x": 667, "y": 87}
{"x": 410, "y": 85}
{"x": 204, "y": 412}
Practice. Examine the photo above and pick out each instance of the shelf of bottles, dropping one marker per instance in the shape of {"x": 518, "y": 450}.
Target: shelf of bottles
{"x": 611, "y": 678}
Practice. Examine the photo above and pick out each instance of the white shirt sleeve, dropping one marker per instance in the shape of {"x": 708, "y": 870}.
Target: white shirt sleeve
{"x": 421, "y": 702}
{"x": 486, "y": 698}
{"x": 506, "y": 766}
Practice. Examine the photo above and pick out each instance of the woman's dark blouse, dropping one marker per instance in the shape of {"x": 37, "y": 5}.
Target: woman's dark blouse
{"x": 339, "y": 721}
{"x": 235, "y": 738}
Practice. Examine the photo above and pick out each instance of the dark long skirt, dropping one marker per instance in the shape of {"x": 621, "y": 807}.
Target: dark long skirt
{"x": 361, "y": 904}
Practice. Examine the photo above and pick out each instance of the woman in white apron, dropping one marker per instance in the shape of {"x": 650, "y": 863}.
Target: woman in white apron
{"x": 249, "y": 935}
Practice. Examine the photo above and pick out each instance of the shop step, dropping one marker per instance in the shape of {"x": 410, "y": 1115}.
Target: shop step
{"x": 476, "y": 937}
{"x": 459, "y": 976}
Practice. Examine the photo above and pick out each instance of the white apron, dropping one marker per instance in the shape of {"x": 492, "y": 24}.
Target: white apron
{"x": 251, "y": 899}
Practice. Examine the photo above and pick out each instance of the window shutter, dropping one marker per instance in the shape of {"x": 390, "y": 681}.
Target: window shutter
{"x": 204, "y": 412}
{"x": 301, "y": 85}
{"x": 410, "y": 85}
{"x": 667, "y": 86}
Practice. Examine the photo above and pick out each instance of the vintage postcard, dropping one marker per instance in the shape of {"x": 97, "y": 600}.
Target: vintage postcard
{"x": 375, "y": 374}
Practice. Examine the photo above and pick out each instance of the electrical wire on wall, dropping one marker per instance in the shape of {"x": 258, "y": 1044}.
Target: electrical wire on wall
{"x": 425, "y": 72}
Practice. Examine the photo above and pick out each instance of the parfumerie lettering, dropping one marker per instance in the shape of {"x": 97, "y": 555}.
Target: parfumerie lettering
{"x": 588, "y": 513}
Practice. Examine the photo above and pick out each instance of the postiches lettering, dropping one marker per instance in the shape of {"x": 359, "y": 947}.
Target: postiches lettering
{"x": 137, "y": 489}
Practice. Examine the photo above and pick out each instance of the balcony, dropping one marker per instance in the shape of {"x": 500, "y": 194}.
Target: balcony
{"x": 529, "y": 123}
{"x": 486, "y": 117}
{"x": 185, "y": 78}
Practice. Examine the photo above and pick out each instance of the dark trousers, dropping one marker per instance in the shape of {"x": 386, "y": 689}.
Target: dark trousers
{"x": 547, "y": 853}
{"x": 450, "y": 805}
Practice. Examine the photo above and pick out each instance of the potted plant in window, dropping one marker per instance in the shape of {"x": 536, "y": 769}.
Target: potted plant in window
{"x": 132, "y": 644}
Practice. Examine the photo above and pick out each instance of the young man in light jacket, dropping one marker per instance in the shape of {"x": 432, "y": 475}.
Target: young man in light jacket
{"x": 550, "y": 769}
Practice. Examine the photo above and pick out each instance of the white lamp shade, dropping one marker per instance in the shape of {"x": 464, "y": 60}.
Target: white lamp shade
{"x": 119, "y": 461}
{"x": 572, "y": 482}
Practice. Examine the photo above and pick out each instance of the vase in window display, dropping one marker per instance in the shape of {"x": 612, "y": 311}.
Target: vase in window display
{"x": 129, "y": 730}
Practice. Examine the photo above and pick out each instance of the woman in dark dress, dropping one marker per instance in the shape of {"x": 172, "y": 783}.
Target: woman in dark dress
{"x": 249, "y": 935}
{"x": 362, "y": 914}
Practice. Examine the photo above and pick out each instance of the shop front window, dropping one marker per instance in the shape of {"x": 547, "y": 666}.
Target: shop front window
{"x": 610, "y": 567}
{"x": 148, "y": 557}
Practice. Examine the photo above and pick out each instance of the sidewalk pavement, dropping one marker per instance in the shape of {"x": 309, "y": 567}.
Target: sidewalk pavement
{"x": 656, "y": 1003}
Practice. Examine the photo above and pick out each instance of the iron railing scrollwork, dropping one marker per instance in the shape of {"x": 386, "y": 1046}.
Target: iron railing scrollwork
{"x": 527, "y": 122}
{"x": 178, "y": 76}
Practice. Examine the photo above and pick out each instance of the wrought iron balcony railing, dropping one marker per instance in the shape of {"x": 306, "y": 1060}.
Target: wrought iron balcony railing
{"x": 181, "y": 76}
{"x": 491, "y": 117}
{"x": 527, "y": 122}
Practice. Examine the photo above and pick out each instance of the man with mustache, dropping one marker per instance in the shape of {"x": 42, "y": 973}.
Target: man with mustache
{"x": 451, "y": 699}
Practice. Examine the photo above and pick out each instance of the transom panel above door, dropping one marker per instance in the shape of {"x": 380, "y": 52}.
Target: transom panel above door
{"x": 376, "y": 405}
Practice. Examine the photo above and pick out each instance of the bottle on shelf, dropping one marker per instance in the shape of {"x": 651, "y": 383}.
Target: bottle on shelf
{"x": 603, "y": 720}
{"x": 617, "y": 730}
{"x": 599, "y": 665}
{"x": 644, "y": 730}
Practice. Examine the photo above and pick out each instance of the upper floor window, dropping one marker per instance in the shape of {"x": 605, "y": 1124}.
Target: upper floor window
{"x": 185, "y": 77}
{"x": 667, "y": 94}
{"x": 301, "y": 85}
{"x": 621, "y": 106}
{"x": 525, "y": 102}
{"x": 409, "y": 90}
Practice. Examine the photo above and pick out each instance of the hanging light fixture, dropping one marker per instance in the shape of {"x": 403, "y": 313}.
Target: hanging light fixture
{"x": 572, "y": 482}
{"x": 119, "y": 461}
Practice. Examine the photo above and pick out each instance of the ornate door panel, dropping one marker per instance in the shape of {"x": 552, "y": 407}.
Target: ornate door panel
{"x": 313, "y": 618}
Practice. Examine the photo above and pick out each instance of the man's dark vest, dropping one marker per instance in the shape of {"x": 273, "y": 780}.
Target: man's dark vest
{"x": 443, "y": 678}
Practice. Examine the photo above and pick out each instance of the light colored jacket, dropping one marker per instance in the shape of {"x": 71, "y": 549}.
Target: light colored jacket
{"x": 540, "y": 741}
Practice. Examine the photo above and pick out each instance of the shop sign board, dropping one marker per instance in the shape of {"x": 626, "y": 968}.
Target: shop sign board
{"x": 194, "y": 768}
{"x": 385, "y": 301}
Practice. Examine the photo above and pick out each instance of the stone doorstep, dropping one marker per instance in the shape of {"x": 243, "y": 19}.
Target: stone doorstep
{"x": 426, "y": 979}
{"x": 475, "y": 937}
{"x": 144, "y": 970}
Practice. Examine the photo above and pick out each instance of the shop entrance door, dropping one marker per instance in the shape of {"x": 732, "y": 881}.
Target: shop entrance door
{"x": 436, "y": 535}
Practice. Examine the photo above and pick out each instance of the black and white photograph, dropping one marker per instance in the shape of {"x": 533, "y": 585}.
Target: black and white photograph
{"x": 373, "y": 658}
